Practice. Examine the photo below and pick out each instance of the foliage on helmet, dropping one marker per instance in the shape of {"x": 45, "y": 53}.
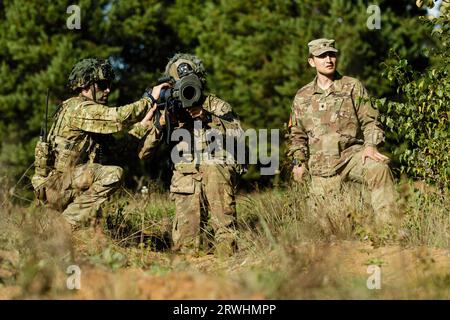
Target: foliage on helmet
{"x": 193, "y": 61}
{"x": 88, "y": 71}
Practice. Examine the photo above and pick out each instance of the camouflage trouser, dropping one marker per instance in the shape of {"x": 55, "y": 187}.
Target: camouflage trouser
{"x": 195, "y": 194}
{"x": 376, "y": 176}
{"x": 81, "y": 191}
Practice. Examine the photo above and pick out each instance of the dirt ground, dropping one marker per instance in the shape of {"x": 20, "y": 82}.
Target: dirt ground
{"x": 345, "y": 266}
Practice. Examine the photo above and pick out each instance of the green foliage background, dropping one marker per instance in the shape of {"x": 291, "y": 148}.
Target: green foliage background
{"x": 420, "y": 116}
{"x": 255, "y": 53}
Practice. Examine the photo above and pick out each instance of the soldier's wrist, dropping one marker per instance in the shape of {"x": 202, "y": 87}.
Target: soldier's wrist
{"x": 148, "y": 94}
{"x": 369, "y": 144}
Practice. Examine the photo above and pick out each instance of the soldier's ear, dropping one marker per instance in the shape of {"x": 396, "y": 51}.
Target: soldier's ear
{"x": 311, "y": 62}
{"x": 87, "y": 92}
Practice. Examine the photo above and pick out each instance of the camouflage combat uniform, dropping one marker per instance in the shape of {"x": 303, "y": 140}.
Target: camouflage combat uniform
{"x": 69, "y": 175}
{"x": 329, "y": 129}
{"x": 203, "y": 181}
{"x": 79, "y": 183}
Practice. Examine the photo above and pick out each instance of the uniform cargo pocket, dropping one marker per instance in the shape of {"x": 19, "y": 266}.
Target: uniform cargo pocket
{"x": 182, "y": 183}
{"x": 42, "y": 158}
{"x": 330, "y": 145}
{"x": 58, "y": 192}
{"x": 65, "y": 159}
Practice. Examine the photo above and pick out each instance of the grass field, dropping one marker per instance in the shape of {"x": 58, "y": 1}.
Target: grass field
{"x": 288, "y": 249}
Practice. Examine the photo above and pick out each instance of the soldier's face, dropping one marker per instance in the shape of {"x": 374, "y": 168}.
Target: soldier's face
{"x": 102, "y": 91}
{"x": 325, "y": 63}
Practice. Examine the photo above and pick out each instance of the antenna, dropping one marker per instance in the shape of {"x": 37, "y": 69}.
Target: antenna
{"x": 46, "y": 115}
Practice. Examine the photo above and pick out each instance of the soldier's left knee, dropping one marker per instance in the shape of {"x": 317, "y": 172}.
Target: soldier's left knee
{"x": 378, "y": 167}
{"x": 112, "y": 175}
{"x": 378, "y": 172}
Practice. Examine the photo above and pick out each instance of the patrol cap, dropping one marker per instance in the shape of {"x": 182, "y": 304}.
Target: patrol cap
{"x": 319, "y": 46}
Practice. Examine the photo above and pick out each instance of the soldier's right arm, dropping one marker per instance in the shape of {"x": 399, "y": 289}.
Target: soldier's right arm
{"x": 298, "y": 147}
{"x": 149, "y": 143}
{"x": 147, "y": 132}
{"x": 98, "y": 118}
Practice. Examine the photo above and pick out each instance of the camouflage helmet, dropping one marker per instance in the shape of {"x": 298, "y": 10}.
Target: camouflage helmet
{"x": 173, "y": 70}
{"x": 90, "y": 70}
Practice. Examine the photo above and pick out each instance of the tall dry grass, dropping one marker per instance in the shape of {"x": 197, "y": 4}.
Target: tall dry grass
{"x": 287, "y": 241}
{"x": 292, "y": 215}
{"x": 295, "y": 236}
{"x": 35, "y": 247}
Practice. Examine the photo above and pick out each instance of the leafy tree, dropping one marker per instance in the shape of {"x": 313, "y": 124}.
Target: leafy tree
{"x": 38, "y": 50}
{"x": 420, "y": 118}
{"x": 256, "y": 52}
{"x": 257, "y": 55}
{"x": 145, "y": 43}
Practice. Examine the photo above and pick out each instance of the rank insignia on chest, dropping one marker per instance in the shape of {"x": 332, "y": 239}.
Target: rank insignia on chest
{"x": 322, "y": 106}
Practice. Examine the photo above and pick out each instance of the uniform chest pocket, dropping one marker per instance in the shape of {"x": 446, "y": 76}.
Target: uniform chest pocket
{"x": 346, "y": 117}
{"x": 344, "y": 108}
{"x": 328, "y": 110}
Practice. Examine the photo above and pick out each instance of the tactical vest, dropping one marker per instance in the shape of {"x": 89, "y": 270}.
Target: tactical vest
{"x": 65, "y": 149}
{"x": 60, "y": 153}
{"x": 220, "y": 120}
{"x": 78, "y": 150}
{"x": 43, "y": 158}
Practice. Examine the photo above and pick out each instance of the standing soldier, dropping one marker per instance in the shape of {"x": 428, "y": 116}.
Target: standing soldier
{"x": 204, "y": 181}
{"x": 334, "y": 134}
{"x": 78, "y": 183}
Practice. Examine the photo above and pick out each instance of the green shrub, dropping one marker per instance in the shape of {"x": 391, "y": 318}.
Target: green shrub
{"x": 420, "y": 118}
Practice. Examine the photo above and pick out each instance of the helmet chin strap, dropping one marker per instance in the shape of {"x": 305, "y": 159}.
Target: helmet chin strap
{"x": 94, "y": 94}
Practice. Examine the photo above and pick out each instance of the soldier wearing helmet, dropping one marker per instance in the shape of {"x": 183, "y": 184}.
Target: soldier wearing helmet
{"x": 204, "y": 182}
{"x": 92, "y": 74}
{"x": 78, "y": 182}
